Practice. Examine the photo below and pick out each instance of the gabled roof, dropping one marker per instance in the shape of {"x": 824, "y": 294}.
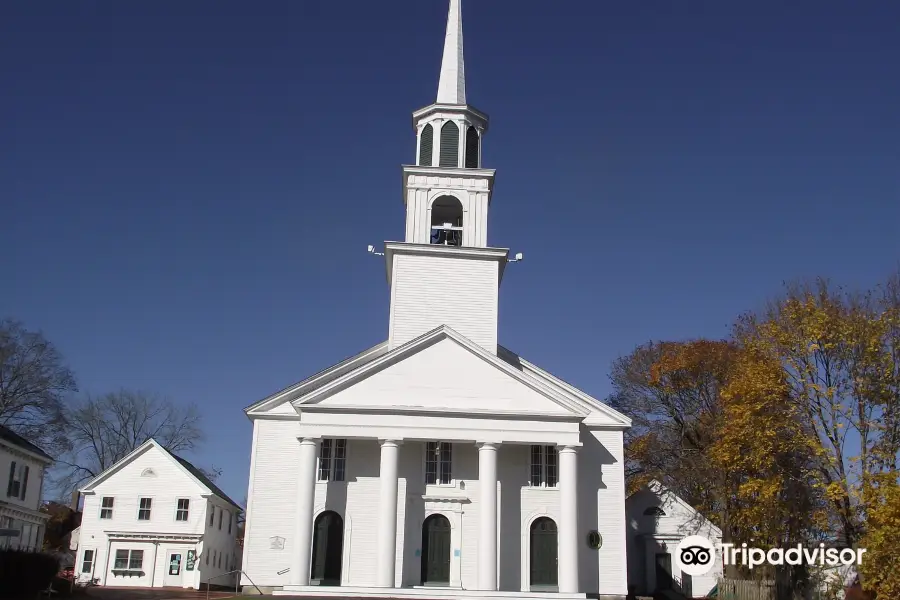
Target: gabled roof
{"x": 11, "y": 437}
{"x": 426, "y": 340}
{"x": 358, "y": 367}
{"x": 189, "y": 469}
{"x": 658, "y": 489}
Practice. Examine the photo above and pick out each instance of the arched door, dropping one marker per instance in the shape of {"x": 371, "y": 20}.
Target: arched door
{"x": 543, "y": 553}
{"x": 328, "y": 548}
{"x": 436, "y": 551}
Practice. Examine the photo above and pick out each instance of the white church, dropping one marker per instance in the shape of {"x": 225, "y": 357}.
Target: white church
{"x": 438, "y": 463}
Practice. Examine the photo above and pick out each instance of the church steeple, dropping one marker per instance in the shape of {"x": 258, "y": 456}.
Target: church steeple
{"x": 444, "y": 272}
{"x": 452, "y": 84}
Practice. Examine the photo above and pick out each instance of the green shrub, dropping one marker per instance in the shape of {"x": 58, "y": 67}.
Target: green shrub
{"x": 26, "y": 573}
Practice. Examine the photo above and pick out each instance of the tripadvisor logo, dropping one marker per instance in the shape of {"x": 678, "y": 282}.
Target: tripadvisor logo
{"x": 696, "y": 555}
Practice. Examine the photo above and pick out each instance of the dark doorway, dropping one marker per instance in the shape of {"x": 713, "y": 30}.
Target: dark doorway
{"x": 436, "y": 551}
{"x": 543, "y": 553}
{"x": 687, "y": 585}
{"x": 663, "y": 572}
{"x": 328, "y": 548}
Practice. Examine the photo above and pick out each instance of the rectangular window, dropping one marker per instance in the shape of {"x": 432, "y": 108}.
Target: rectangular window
{"x": 220, "y": 519}
{"x": 144, "y": 510}
{"x": 121, "y": 562}
{"x": 438, "y": 462}
{"x": 136, "y": 561}
{"x": 230, "y": 520}
{"x": 212, "y": 515}
{"x": 181, "y": 513}
{"x": 18, "y": 473}
{"x": 332, "y": 460}
{"x": 544, "y": 461}
{"x": 106, "y": 507}
{"x": 87, "y": 562}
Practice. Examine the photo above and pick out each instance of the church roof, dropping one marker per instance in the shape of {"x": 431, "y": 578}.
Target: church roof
{"x": 452, "y": 83}
{"x": 579, "y": 403}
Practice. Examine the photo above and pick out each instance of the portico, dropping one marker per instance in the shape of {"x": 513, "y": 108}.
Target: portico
{"x": 440, "y": 499}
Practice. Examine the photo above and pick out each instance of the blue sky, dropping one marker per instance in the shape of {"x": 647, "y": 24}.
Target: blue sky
{"x": 188, "y": 189}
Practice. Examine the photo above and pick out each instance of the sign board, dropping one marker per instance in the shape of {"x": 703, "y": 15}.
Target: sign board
{"x": 191, "y": 559}
{"x": 10, "y": 533}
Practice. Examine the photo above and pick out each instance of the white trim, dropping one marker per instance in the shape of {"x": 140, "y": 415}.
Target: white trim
{"x": 297, "y": 389}
{"x": 424, "y": 341}
{"x": 250, "y": 486}
{"x": 542, "y": 512}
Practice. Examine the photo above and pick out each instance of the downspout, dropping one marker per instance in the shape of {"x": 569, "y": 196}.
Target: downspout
{"x": 108, "y": 549}
{"x": 153, "y": 568}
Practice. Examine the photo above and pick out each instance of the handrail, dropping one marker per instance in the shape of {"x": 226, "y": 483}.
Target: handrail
{"x": 236, "y": 584}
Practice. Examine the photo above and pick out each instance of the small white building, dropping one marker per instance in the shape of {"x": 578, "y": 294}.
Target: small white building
{"x": 22, "y": 523}
{"x": 437, "y": 462}
{"x": 657, "y": 522}
{"x": 154, "y": 520}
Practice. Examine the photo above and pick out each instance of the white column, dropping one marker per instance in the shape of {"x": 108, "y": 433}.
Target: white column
{"x": 386, "y": 550}
{"x": 487, "y": 509}
{"x": 568, "y": 520}
{"x": 306, "y": 489}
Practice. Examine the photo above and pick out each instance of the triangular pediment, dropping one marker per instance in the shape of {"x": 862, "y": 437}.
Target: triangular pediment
{"x": 441, "y": 372}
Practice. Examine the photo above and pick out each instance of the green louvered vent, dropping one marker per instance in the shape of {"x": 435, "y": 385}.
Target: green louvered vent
{"x": 426, "y": 146}
{"x": 449, "y": 145}
{"x": 472, "y": 148}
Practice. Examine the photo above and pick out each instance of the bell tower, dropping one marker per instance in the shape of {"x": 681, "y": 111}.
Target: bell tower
{"x": 444, "y": 273}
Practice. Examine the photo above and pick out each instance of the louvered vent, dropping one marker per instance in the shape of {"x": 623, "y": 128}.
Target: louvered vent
{"x": 426, "y": 146}
{"x": 472, "y": 148}
{"x": 449, "y": 145}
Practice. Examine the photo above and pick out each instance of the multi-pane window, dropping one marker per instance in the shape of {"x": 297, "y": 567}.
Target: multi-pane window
{"x": 212, "y": 515}
{"x": 144, "y": 510}
{"x": 181, "y": 513}
{"x": 131, "y": 560}
{"x": 87, "y": 562}
{"x": 544, "y": 466}
{"x": 438, "y": 462}
{"x": 106, "y": 507}
{"x": 17, "y": 486}
{"x": 333, "y": 460}
{"x": 220, "y": 519}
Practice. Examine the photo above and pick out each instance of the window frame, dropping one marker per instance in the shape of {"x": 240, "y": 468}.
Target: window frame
{"x": 85, "y": 561}
{"x": 141, "y": 508}
{"x": 332, "y": 467}
{"x": 110, "y": 508}
{"x": 186, "y": 510}
{"x": 438, "y": 479}
{"x": 129, "y": 558}
{"x": 545, "y": 467}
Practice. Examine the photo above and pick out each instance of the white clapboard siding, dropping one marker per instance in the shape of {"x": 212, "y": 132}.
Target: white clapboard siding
{"x": 430, "y": 291}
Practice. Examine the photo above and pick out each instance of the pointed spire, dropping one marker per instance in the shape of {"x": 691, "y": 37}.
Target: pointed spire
{"x": 452, "y": 85}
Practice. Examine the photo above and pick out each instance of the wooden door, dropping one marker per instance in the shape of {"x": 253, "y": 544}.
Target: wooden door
{"x": 436, "y": 550}
{"x": 544, "y": 548}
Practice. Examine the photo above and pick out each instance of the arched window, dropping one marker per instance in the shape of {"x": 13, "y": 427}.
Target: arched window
{"x": 447, "y": 221}
{"x": 654, "y": 511}
{"x": 449, "y": 145}
{"x": 472, "y": 148}
{"x": 543, "y": 553}
{"x": 426, "y": 146}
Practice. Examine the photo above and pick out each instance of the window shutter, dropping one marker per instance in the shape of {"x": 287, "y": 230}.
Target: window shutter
{"x": 449, "y": 145}
{"x": 12, "y": 474}
{"x": 25, "y": 482}
{"x": 472, "y": 148}
{"x": 426, "y": 146}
